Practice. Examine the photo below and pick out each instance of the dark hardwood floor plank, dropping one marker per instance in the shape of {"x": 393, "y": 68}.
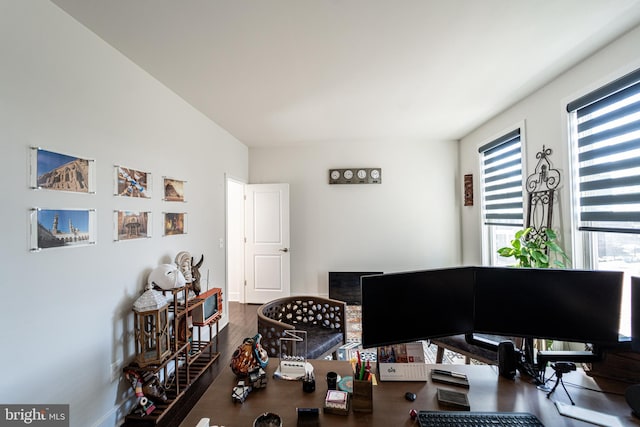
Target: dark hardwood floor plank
{"x": 243, "y": 323}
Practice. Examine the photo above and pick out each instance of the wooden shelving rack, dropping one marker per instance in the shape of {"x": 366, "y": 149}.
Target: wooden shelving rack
{"x": 189, "y": 359}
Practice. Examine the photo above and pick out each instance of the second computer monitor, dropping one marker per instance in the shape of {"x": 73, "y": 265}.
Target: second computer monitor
{"x": 566, "y": 305}
{"x": 411, "y": 306}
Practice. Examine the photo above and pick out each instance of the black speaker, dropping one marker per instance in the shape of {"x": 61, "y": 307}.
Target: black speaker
{"x": 632, "y": 394}
{"x": 507, "y": 361}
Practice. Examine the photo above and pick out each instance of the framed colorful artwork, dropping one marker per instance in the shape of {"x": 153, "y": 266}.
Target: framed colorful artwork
{"x": 132, "y": 183}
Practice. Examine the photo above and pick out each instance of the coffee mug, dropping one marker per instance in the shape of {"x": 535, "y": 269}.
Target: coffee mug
{"x": 332, "y": 380}
{"x": 308, "y": 385}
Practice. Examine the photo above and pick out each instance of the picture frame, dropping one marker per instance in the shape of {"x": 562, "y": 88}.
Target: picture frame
{"x": 51, "y": 170}
{"x": 132, "y": 182}
{"x": 61, "y": 228}
{"x": 174, "y": 223}
{"x": 173, "y": 189}
{"x": 131, "y": 225}
{"x": 468, "y": 190}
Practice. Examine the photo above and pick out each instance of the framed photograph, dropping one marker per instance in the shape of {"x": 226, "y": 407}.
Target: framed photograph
{"x": 132, "y": 183}
{"x": 175, "y": 223}
{"x": 61, "y": 172}
{"x": 173, "y": 190}
{"x": 58, "y": 228}
{"x": 130, "y": 225}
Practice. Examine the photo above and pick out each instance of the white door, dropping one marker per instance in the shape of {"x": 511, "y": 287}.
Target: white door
{"x": 267, "y": 256}
{"x": 235, "y": 240}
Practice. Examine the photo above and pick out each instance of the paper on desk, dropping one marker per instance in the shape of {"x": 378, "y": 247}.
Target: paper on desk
{"x": 588, "y": 415}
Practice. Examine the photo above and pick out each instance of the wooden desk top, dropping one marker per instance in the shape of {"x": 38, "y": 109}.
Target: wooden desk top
{"x": 487, "y": 392}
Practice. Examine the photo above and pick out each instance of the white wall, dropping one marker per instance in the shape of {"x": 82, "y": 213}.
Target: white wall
{"x": 409, "y": 221}
{"x": 67, "y": 312}
{"x": 544, "y": 114}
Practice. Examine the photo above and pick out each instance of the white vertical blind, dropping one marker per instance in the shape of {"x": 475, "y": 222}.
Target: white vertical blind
{"x": 502, "y": 180}
{"x": 607, "y": 125}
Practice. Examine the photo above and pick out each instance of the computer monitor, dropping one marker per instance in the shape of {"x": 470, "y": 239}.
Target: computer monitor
{"x": 635, "y": 313}
{"x": 565, "y": 305}
{"x": 410, "y": 306}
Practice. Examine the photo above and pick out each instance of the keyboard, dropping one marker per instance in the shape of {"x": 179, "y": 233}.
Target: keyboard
{"x": 477, "y": 419}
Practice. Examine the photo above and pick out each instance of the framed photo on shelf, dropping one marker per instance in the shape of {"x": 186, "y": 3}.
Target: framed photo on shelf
{"x": 61, "y": 172}
{"x": 130, "y": 225}
{"x": 59, "y": 228}
{"x": 175, "y": 223}
{"x": 132, "y": 183}
{"x": 173, "y": 190}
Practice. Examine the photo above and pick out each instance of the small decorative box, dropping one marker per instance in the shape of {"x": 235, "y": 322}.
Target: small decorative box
{"x": 336, "y": 402}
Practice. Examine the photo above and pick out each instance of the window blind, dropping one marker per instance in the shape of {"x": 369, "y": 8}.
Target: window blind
{"x": 607, "y": 125}
{"x": 502, "y": 180}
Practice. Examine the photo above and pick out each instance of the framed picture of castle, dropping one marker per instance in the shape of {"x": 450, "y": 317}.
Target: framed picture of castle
{"x": 130, "y": 225}
{"x": 61, "y": 172}
{"x": 60, "y": 228}
{"x": 173, "y": 190}
{"x": 132, "y": 183}
{"x": 174, "y": 223}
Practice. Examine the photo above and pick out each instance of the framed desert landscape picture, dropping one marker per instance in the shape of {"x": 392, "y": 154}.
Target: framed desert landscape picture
{"x": 173, "y": 190}
{"x": 61, "y": 172}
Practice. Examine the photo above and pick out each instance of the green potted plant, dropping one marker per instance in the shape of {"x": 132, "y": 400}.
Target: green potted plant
{"x": 538, "y": 251}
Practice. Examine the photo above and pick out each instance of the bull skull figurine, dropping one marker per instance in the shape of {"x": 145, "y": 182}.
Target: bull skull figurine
{"x": 189, "y": 270}
{"x": 195, "y": 274}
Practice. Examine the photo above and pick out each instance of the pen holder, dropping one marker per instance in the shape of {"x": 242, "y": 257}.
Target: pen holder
{"x": 362, "y": 398}
{"x": 308, "y": 385}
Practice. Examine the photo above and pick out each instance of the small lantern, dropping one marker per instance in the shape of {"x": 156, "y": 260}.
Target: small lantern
{"x": 151, "y": 323}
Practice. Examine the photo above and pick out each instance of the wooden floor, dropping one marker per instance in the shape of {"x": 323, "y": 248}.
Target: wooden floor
{"x": 243, "y": 322}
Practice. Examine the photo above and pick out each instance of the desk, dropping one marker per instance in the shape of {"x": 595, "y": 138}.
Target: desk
{"x": 488, "y": 392}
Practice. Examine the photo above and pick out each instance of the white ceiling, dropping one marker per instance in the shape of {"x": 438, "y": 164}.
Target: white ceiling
{"x": 286, "y": 72}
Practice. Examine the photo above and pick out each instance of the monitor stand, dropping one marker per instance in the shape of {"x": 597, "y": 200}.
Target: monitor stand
{"x": 533, "y": 364}
{"x": 544, "y": 358}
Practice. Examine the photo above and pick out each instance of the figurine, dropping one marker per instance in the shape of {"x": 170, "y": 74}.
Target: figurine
{"x": 258, "y": 378}
{"x": 195, "y": 273}
{"x": 240, "y": 392}
{"x": 166, "y": 277}
{"x": 144, "y": 405}
{"x": 249, "y": 356}
{"x": 189, "y": 270}
{"x": 183, "y": 261}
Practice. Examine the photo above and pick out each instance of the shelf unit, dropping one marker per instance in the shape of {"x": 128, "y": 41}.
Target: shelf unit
{"x": 188, "y": 360}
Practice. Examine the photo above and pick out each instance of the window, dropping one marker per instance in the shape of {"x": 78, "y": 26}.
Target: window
{"x": 605, "y": 146}
{"x": 502, "y": 201}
